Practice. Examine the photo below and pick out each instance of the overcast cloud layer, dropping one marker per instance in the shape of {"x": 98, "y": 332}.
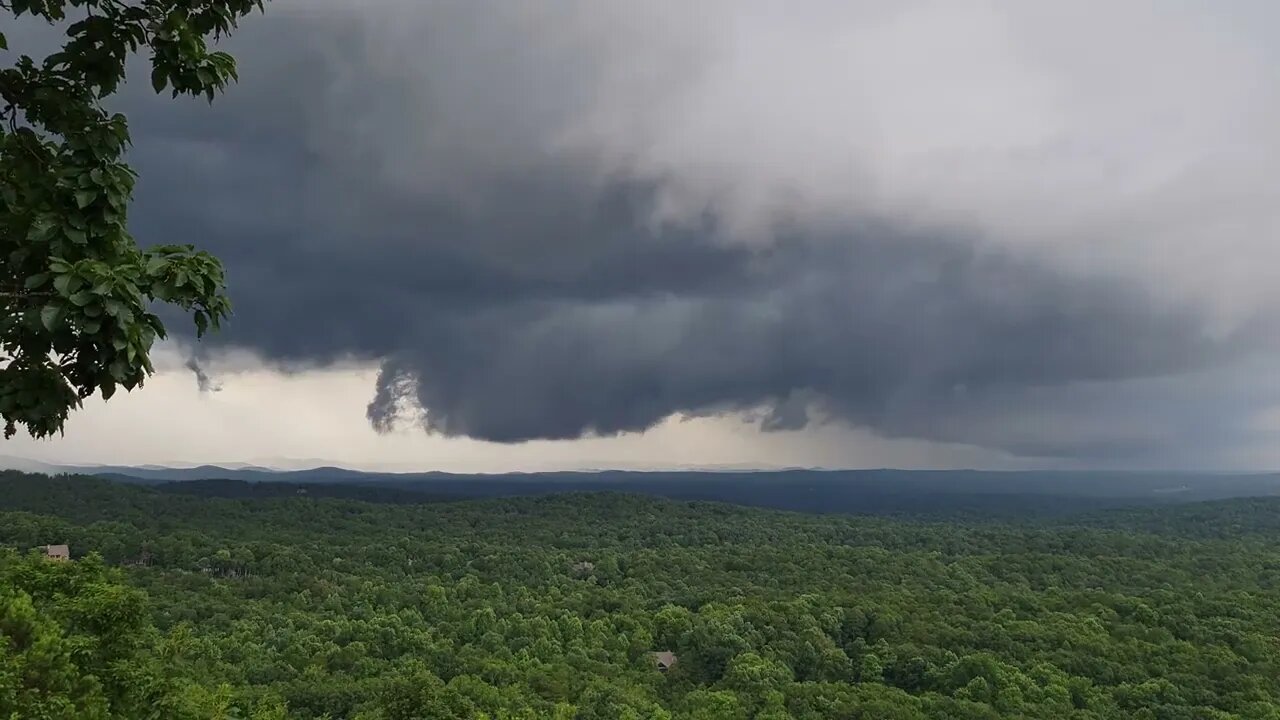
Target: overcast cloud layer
{"x": 1047, "y": 229}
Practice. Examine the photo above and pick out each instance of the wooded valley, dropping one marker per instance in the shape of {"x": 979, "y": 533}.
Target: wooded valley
{"x": 184, "y": 606}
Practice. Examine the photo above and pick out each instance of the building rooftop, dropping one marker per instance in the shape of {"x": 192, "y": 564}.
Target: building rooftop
{"x": 664, "y": 659}
{"x": 57, "y": 552}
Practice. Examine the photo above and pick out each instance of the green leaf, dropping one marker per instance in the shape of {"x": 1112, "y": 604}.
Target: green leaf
{"x": 66, "y": 284}
{"x": 158, "y": 78}
{"x": 50, "y": 315}
{"x": 66, "y": 191}
{"x": 40, "y": 231}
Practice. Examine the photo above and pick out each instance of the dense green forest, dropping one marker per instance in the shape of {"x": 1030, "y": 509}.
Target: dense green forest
{"x": 182, "y": 606}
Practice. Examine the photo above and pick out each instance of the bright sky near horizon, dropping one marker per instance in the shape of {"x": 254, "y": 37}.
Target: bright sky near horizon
{"x": 254, "y": 418}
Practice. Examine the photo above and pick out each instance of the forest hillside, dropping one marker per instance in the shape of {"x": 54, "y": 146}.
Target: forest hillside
{"x": 561, "y": 606}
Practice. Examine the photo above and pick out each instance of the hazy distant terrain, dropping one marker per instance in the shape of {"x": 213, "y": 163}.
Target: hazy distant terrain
{"x": 845, "y": 491}
{"x": 842, "y": 491}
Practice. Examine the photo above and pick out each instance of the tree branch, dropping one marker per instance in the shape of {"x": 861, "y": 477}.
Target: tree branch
{"x": 26, "y": 294}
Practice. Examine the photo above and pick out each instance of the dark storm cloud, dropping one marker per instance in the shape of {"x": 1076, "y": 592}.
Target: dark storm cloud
{"x": 536, "y": 299}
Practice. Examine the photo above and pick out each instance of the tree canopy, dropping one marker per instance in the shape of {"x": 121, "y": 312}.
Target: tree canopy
{"x": 305, "y": 607}
{"x": 76, "y": 289}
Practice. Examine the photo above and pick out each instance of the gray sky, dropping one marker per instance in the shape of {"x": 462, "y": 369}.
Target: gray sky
{"x": 921, "y": 234}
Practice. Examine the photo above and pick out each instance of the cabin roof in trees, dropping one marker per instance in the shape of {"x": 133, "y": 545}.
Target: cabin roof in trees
{"x": 56, "y": 552}
{"x": 664, "y": 659}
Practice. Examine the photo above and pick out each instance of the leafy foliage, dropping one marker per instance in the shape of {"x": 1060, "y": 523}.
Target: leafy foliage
{"x": 307, "y": 608}
{"x": 75, "y": 288}
{"x": 76, "y": 642}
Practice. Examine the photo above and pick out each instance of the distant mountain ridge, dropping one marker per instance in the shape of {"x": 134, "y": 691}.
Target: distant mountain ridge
{"x": 8, "y": 462}
{"x": 872, "y": 490}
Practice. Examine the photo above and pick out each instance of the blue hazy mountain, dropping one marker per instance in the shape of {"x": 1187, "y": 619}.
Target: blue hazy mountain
{"x": 848, "y": 491}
